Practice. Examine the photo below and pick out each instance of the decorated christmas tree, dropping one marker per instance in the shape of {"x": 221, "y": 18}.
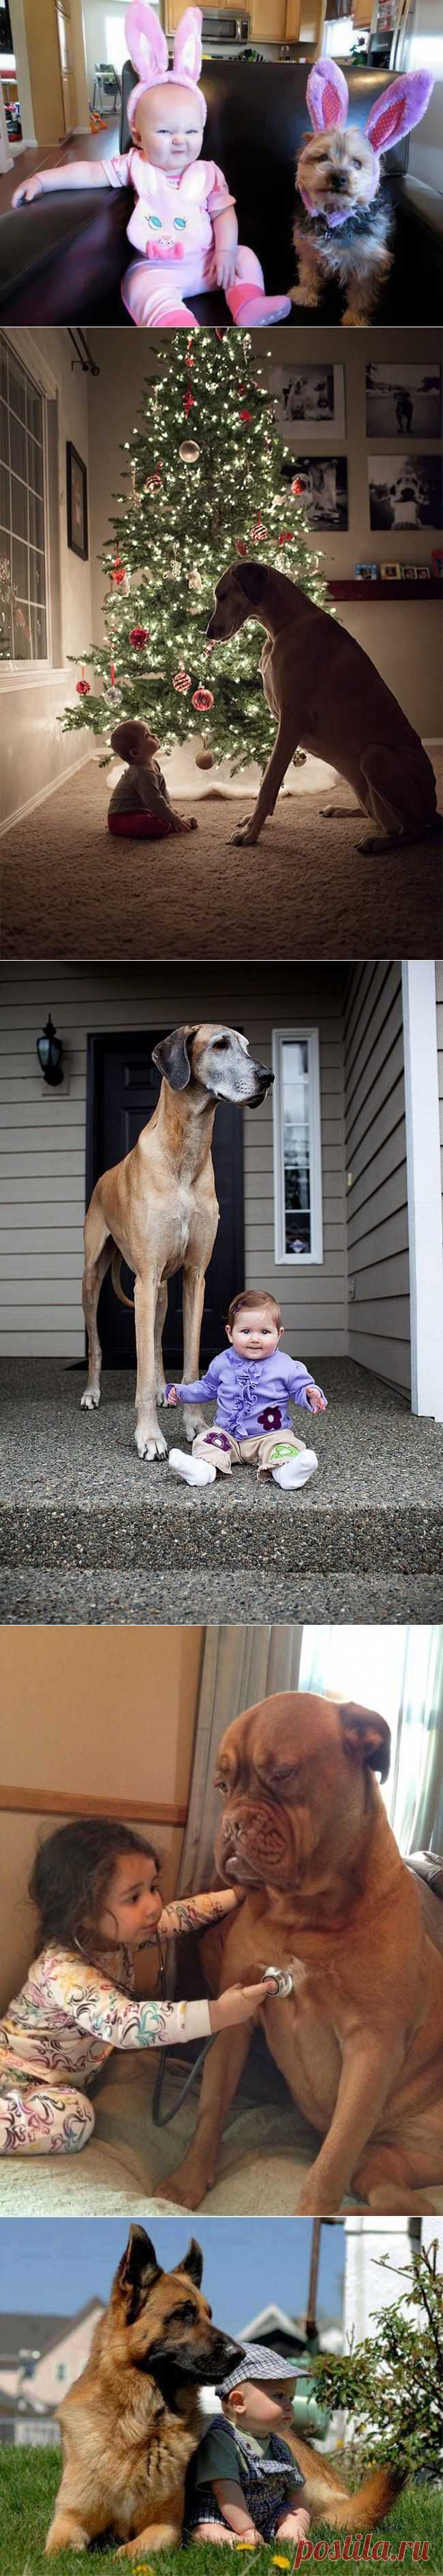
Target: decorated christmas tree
{"x": 204, "y": 473}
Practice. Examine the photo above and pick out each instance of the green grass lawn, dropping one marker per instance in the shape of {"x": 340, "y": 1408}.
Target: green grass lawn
{"x": 28, "y": 2482}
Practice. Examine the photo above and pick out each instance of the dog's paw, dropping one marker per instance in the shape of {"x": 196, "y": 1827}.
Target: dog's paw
{"x": 150, "y": 1444}
{"x": 90, "y": 1400}
{"x": 244, "y": 835}
{"x": 301, "y": 295}
{"x": 354, "y": 321}
{"x": 187, "y": 2187}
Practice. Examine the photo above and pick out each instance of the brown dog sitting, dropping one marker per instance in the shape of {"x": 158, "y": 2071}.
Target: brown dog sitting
{"x": 360, "y": 2043}
{"x": 132, "y": 2420}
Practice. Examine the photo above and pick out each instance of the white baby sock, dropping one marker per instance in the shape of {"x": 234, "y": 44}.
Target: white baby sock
{"x": 296, "y": 1470}
{"x": 197, "y": 1471}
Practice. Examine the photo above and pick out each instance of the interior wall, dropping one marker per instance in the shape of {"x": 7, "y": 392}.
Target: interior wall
{"x": 35, "y": 753}
{"x": 402, "y": 637}
{"x": 377, "y": 1202}
{"x": 128, "y": 1701}
{"x": 103, "y": 22}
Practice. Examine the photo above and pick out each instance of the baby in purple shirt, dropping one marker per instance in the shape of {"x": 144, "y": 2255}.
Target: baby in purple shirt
{"x": 252, "y": 1384}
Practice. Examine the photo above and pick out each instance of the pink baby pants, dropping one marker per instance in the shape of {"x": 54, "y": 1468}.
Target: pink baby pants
{"x": 155, "y": 294}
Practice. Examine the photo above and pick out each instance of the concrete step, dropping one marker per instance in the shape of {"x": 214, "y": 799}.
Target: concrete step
{"x": 73, "y": 1595}
{"x": 74, "y": 1494}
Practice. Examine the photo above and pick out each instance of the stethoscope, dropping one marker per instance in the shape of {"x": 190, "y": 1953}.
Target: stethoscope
{"x": 282, "y": 1983}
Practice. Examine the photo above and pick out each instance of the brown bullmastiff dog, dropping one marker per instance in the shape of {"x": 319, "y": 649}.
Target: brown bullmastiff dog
{"x": 360, "y": 2042}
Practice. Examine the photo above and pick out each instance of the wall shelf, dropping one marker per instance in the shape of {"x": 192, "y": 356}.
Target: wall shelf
{"x": 378, "y": 590}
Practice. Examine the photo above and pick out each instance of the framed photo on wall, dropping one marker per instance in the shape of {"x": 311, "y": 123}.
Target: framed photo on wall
{"x": 322, "y": 488}
{"x": 76, "y": 502}
{"x": 404, "y": 400}
{"x": 310, "y": 398}
{"x": 405, "y": 491}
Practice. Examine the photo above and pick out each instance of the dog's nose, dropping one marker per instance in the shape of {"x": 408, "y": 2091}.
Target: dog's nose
{"x": 337, "y": 181}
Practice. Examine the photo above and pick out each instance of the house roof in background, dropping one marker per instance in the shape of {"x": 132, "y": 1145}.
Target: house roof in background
{"x": 22, "y": 2332}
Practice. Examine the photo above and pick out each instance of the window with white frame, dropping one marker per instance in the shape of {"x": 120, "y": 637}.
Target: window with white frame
{"x": 297, "y": 1146}
{"x": 23, "y": 543}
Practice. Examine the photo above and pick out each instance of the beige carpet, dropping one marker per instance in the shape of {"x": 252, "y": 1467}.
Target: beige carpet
{"x": 265, "y": 2154}
{"x": 68, "y": 890}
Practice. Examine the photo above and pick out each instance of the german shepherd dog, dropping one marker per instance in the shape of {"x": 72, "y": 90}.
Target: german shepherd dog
{"x": 132, "y": 2420}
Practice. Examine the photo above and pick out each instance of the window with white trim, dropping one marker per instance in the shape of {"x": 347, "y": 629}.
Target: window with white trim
{"x": 23, "y": 537}
{"x": 297, "y": 1146}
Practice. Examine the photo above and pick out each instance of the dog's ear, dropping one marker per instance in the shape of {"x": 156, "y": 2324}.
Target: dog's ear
{"x": 367, "y": 1736}
{"x": 138, "y": 2268}
{"x": 172, "y": 1058}
{"x": 192, "y": 2263}
{"x": 251, "y": 578}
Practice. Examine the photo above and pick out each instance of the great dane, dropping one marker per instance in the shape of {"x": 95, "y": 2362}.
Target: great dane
{"x": 158, "y": 1211}
{"x": 328, "y": 698}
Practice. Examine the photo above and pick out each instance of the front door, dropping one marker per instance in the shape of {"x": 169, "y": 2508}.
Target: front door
{"x": 123, "y": 1088}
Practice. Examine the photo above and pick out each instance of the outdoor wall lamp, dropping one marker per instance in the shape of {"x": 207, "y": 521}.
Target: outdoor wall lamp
{"x": 50, "y": 1051}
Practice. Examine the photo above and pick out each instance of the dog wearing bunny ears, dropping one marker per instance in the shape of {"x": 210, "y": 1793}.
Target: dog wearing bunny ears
{"x": 345, "y": 223}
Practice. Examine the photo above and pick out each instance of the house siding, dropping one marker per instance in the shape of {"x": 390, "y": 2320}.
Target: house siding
{"x": 377, "y": 1208}
{"x": 42, "y": 1157}
{"x": 439, "y": 1002}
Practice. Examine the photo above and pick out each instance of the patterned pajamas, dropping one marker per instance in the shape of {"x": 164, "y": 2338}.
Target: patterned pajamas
{"x": 36, "y": 2120}
{"x": 69, "y": 2017}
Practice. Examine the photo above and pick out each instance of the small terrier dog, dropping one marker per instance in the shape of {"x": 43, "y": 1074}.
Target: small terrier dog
{"x": 346, "y": 228}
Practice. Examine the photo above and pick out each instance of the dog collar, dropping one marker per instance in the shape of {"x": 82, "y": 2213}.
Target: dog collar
{"x": 330, "y": 220}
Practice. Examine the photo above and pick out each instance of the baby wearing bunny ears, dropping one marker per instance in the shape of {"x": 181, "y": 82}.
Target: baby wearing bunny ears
{"x": 183, "y": 227}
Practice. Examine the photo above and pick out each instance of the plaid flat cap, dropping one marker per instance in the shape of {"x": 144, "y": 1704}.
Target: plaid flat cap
{"x": 258, "y": 2363}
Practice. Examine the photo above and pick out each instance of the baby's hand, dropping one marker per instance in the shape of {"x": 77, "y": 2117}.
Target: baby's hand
{"x": 315, "y": 1399}
{"x": 172, "y": 1397}
{"x": 238, "y": 2004}
{"x": 29, "y": 188}
{"x": 225, "y": 262}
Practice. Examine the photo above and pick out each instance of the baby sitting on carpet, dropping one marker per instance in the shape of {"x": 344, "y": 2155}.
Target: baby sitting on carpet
{"x": 252, "y": 1387}
{"x": 183, "y": 225}
{"x": 140, "y": 808}
{"x": 243, "y": 2482}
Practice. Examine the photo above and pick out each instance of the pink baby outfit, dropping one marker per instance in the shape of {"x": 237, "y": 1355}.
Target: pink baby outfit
{"x": 172, "y": 228}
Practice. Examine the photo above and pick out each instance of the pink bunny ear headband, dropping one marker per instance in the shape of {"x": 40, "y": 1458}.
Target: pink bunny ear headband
{"x": 148, "y": 50}
{"x": 393, "y": 114}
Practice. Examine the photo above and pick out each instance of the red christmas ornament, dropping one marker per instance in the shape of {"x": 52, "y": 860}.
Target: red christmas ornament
{"x": 182, "y": 681}
{"x": 153, "y": 480}
{"x": 203, "y": 699}
{"x": 112, "y": 674}
{"x": 118, "y": 570}
{"x": 139, "y": 635}
{"x": 296, "y": 486}
{"x": 188, "y": 401}
{"x": 258, "y": 531}
{"x": 83, "y": 686}
{"x": 246, "y": 415}
{"x": 286, "y": 537}
{"x": 240, "y": 545}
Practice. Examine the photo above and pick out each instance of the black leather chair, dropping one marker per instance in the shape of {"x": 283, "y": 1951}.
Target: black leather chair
{"x": 62, "y": 259}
